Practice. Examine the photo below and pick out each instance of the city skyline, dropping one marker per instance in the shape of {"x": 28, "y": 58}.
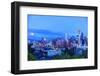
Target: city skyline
{"x": 57, "y": 37}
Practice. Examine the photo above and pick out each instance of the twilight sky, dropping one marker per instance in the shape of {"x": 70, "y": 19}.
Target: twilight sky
{"x": 62, "y": 24}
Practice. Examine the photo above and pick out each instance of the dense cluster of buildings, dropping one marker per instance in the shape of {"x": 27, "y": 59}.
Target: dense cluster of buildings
{"x": 74, "y": 44}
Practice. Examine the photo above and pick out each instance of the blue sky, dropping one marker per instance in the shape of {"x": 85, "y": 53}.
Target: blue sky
{"x": 62, "y": 24}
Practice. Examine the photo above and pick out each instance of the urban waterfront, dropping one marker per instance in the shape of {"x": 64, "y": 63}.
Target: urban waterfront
{"x": 49, "y": 43}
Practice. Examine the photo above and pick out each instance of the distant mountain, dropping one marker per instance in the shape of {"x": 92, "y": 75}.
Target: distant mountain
{"x": 40, "y": 33}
